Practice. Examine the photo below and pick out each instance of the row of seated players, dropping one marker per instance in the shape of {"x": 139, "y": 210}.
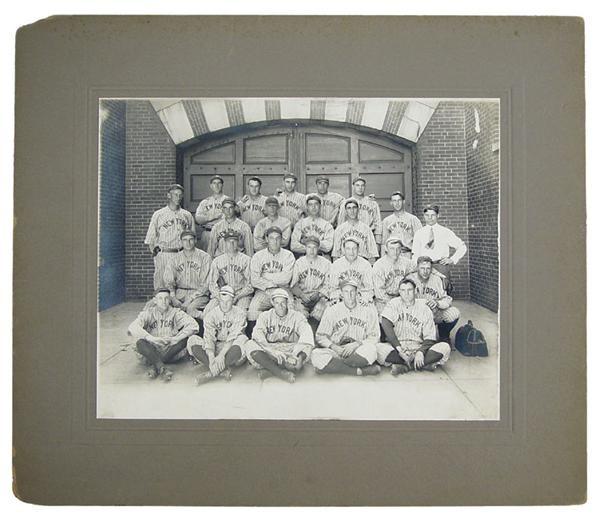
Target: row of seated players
{"x": 346, "y": 341}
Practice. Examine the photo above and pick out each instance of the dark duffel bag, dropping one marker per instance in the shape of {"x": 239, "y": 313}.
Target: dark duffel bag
{"x": 470, "y": 341}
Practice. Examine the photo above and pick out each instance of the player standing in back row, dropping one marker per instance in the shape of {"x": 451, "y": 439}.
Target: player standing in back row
{"x": 368, "y": 209}
{"x": 400, "y": 224}
{"x": 292, "y": 203}
{"x": 209, "y": 210}
{"x": 331, "y": 201}
{"x": 252, "y": 204}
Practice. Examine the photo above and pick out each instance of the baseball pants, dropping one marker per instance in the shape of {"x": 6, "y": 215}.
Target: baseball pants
{"x": 384, "y": 349}
{"x": 195, "y": 340}
{"x": 291, "y": 351}
{"x": 321, "y": 356}
{"x": 446, "y": 315}
{"x": 167, "y": 353}
{"x": 261, "y": 302}
{"x": 161, "y": 261}
{"x": 314, "y": 310}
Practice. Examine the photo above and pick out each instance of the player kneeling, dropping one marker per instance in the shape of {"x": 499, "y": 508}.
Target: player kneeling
{"x": 222, "y": 346}
{"x": 409, "y": 327}
{"x": 281, "y": 340}
{"x": 347, "y": 336}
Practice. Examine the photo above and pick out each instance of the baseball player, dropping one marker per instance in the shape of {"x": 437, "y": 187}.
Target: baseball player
{"x": 209, "y": 210}
{"x": 351, "y": 266}
{"x": 161, "y": 332}
{"x": 389, "y": 271}
{"x": 222, "y": 345}
{"x": 293, "y": 203}
{"x": 434, "y": 241}
{"x": 187, "y": 277}
{"x": 281, "y": 341}
{"x": 252, "y": 205}
{"x": 230, "y": 269}
{"x": 270, "y": 268}
{"x": 410, "y": 331}
{"x": 272, "y": 219}
{"x": 367, "y": 247}
{"x": 309, "y": 281}
{"x": 230, "y": 222}
{"x": 430, "y": 287}
{"x": 368, "y": 209}
{"x": 347, "y": 337}
{"x": 312, "y": 225}
{"x": 401, "y": 224}
{"x": 164, "y": 233}
{"x": 331, "y": 201}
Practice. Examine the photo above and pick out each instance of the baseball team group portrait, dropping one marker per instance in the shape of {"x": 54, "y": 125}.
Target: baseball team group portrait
{"x": 298, "y": 258}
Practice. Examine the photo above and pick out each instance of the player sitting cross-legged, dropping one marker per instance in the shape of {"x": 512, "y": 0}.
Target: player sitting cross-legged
{"x": 222, "y": 346}
{"x": 347, "y": 337}
{"x": 281, "y": 340}
{"x": 161, "y": 332}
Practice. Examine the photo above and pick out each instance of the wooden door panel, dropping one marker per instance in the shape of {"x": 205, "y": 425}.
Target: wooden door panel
{"x": 270, "y": 183}
{"x": 266, "y": 149}
{"x": 223, "y": 154}
{"x": 371, "y": 152}
{"x": 200, "y": 187}
{"x": 322, "y": 149}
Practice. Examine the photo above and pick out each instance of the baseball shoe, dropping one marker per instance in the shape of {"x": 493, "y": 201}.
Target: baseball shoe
{"x": 203, "y": 378}
{"x": 264, "y": 374}
{"x": 369, "y": 370}
{"x": 399, "y": 369}
{"x": 166, "y": 374}
{"x": 226, "y": 375}
{"x": 152, "y": 372}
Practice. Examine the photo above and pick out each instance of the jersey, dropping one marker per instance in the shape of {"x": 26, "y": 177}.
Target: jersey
{"x": 164, "y": 325}
{"x": 403, "y": 225}
{"x": 311, "y": 276}
{"x": 223, "y": 327}
{"x": 340, "y": 323}
{"x": 268, "y": 270}
{"x": 230, "y": 270}
{"x": 330, "y": 206}
{"x": 368, "y": 212}
{"x": 188, "y": 271}
{"x": 216, "y": 245}
{"x": 166, "y": 226}
{"x": 359, "y": 270}
{"x": 431, "y": 289}
{"x": 367, "y": 247}
{"x": 292, "y": 328}
{"x": 260, "y": 241}
{"x": 292, "y": 205}
{"x": 251, "y": 209}
{"x": 210, "y": 208}
{"x": 310, "y": 226}
{"x": 412, "y": 324}
{"x": 387, "y": 276}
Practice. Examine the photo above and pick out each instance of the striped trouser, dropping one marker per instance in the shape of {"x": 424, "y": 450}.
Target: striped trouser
{"x": 262, "y": 302}
{"x": 315, "y": 310}
{"x": 446, "y": 315}
{"x": 161, "y": 261}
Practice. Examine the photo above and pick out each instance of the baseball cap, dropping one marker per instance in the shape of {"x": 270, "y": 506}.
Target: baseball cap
{"x": 216, "y": 177}
{"x": 228, "y": 201}
{"x": 322, "y": 179}
{"x": 271, "y": 200}
{"x": 272, "y": 229}
{"x": 187, "y": 233}
{"x": 353, "y": 239}
{"x": 424, "y": 259}
{"x": 435, "y": 208}
{"x": 350, "y": 201}
{"x": 290, "y": 175}
{"x": 312, "y": 239}
{"x": 398, "y": 193}
{"x": 313, "y": 197}
{"x": 359, "y": 179}
{"x": 161, "y": 290}
{"x": 231, "y": 234}
{"x": 280, "y": 293}
{"x": 256, "y": 179}
{"x": 175, "y": 186}
{"x": 348, "y": 282}
{"x": 227, "y": 290}
{"x": 393, "y": 240}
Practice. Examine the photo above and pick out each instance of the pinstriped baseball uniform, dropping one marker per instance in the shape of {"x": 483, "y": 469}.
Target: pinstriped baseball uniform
{"x": 216, "y": 244}
{"x": 209, "y": 208}
{"x": 330, "y": 206}
{"x": 290, "y": 334}
{"x": 292, "y": 205}
{"x": 367, "y": 247}
{"x": 412, "y": 325}
{"x": 359, "y": 270}
{"x": 268, "y": 271}
{"x": 251, "y": 209}
{"x": 310, "y": 226}
{"x": 387, "y": 276}
{"x": 404, "y": 225}
{"x": 311, "y": 277}
{"x": 230, "y": 270}
{"x": 187, "y": 276}
{"x": 164, "y": 231}
{"x": 433, "y": 289}
{"x": 221, "y": 328}
{"x": 340, "y": 325}
{"x": 261, "y": 227}
{"x": 368, "y": 212}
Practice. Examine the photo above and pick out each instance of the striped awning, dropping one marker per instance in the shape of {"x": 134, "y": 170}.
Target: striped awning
{"x": 185, "y": 119}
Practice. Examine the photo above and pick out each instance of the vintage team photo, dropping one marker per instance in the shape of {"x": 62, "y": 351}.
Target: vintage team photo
{"x": 298, "y": 258}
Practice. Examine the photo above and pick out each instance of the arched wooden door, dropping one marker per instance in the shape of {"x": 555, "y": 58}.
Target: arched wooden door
{"x": 306, "y": 148}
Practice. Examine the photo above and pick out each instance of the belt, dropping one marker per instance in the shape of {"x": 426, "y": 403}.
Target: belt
{"x": 171, "y": 250}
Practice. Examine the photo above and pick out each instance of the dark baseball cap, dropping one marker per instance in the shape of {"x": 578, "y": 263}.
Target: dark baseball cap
{"x": 271, "y": 200}
{"x": 175, "y": 186}
{"x": 272, "y": 229}
{"x": 435, "y": 208}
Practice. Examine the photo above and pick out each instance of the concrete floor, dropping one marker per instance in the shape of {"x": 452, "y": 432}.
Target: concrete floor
{"x": 463, "y": 389}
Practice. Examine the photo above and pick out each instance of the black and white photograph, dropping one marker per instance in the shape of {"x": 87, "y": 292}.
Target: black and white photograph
{"x": 299, "y": 258}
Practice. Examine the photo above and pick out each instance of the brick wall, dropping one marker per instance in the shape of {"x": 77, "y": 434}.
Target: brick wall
{"x": 441, "y": 178}
{"x": 483, "y": 188}
{"x": 150, "y": 169}
{"x": 111, "y": 269}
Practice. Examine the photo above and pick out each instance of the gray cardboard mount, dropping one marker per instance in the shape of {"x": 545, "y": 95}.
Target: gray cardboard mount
{"x": 535, "y": 454}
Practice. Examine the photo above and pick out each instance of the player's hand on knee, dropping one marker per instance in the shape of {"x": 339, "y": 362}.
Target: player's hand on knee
{"x": 419, "y": 360}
